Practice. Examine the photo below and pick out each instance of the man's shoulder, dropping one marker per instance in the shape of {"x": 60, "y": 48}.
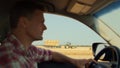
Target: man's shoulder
{"x": 5, "y": 52}
{"x": 5, "y": 47}
{"x": 5, "y": 55}
{"x": 7, "y": 62}
{"x": 34, "y": 48}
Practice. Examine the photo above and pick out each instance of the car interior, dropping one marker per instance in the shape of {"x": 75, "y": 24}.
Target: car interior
{"x": 85, "y": 11}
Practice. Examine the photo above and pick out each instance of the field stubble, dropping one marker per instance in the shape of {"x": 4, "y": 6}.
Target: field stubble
{"x": 78, "y": 52}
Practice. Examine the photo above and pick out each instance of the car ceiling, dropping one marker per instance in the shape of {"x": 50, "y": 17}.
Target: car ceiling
{"x": 81, "y": 10}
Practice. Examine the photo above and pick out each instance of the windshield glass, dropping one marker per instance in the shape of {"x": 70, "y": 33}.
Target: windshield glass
{"x": 109, "y": 23}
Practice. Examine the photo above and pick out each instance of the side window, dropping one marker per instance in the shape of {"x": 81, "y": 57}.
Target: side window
{"x": 66, "y": 30}
{"x": 68, "y": 36}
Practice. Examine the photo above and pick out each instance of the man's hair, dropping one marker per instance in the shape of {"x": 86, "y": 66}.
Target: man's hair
{"x": 25, "y": 9}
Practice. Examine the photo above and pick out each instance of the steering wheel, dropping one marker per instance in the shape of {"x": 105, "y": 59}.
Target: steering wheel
{"x": 113, "y": 55}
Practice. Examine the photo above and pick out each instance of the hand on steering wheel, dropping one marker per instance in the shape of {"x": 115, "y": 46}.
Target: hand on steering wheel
{"x": 115, "y": 55}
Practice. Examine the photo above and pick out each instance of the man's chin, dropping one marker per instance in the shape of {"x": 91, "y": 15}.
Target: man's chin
{"x": 41, "y": 38}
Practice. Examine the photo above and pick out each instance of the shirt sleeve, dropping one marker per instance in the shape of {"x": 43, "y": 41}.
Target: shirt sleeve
{"x": 39, "y": 54}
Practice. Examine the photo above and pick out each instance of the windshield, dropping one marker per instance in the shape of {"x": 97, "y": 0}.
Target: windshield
{"x": 109, "y": 23}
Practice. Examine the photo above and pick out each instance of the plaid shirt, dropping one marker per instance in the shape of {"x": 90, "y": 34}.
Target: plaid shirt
{"x": 14, "y": 55}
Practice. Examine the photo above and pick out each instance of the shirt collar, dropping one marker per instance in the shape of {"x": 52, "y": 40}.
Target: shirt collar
{"x": 15, "y": 42}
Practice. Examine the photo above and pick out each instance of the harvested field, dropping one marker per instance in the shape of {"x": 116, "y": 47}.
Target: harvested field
{"x": 78, "y": 52}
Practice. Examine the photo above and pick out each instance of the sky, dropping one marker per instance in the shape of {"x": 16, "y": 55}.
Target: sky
{"x": 66, "y": 30}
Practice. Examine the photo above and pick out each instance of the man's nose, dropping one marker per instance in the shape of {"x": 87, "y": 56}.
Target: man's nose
{"x": 45, "y": 28}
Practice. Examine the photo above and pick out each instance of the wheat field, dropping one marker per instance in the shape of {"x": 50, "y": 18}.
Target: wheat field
{"x": 77, "y": 53}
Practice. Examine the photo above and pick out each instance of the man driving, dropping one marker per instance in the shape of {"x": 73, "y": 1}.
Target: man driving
{"x": 27, "y": 25}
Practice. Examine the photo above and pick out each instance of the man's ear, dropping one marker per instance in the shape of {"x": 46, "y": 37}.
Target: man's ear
{"x": 22, "y": 22}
